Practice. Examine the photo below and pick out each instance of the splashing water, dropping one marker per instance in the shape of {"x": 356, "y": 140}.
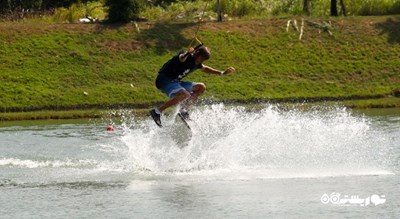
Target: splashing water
{"x": 267, "y": 143}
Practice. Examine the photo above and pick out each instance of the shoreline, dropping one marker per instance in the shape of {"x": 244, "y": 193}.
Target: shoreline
{"x": 141, "y": 110}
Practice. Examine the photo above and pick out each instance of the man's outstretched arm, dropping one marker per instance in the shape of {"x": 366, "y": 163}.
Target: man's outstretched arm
{"x": 210, "y": 70}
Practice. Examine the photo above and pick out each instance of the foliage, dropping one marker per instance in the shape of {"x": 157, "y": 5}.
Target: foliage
{"x": 11, "y": 5}
{"x": 123, "y": 10}
{"x": 373, "y": 7}
{"x": 76, "y": 11}
{"x": 238, "y": 8}
{"x": 263, "y": 8}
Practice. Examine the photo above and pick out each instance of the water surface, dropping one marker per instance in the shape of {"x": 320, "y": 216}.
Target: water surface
{"x": 236, "y": 163}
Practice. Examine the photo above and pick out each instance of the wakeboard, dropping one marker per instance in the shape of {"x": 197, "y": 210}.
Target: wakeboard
{"x": 185, "y": 121}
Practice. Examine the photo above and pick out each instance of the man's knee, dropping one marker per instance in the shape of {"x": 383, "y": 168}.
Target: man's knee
{"x": 199, "y": 88}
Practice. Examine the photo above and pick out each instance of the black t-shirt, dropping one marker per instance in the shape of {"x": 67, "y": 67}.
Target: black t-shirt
{"x": 176, "y": 70}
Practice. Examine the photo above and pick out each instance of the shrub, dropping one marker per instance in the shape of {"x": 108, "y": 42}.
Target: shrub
{"x": 123, "y": 10}
{"x": 76, "y": 11}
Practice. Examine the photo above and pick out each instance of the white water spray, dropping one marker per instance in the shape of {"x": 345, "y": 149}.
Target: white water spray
{"x": 267, "y": 143}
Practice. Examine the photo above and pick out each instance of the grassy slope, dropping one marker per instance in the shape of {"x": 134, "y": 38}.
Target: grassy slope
{"x": 51, "y": 66}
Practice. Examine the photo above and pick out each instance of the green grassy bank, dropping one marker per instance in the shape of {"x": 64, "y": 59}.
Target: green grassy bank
{"x": 84, "y": 66}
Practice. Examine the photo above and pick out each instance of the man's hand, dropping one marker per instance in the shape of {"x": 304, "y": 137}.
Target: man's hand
{"x": 183, "y": 56}
{"x": 190, "y": 50}
{"x": 228, "y": 70}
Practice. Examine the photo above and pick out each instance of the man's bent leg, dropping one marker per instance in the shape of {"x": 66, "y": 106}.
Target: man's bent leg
{"x": 180, "y": 96}
{"x": 197, "y": 89}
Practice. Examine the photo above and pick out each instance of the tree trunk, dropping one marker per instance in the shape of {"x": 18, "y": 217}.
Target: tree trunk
{"x": 219, "y": 11}
{"x": 334, "y": 8}
{"x": 306, "y": 7}
{"x": 343, "y": 7}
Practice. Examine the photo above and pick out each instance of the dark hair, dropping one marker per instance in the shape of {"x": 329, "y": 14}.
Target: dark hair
{"x": 203, "y": 52}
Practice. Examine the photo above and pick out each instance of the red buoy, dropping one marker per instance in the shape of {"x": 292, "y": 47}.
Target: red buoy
{"x": 110, "y": 128}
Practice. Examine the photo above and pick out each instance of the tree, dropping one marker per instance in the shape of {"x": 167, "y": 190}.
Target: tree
{"x": 9, "y": 6}
{"x": 334, "y": 8}
{"x": 343, "y": 7}
{"x": 334, "y": 11}
{"x": 306, "y": 7}
{"x": 123, "y": 10}
{"x": 219, "y": 11}
{"x": 5, "y": 6}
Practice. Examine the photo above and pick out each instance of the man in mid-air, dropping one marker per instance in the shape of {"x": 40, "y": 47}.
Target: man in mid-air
{"x": 169, "y": 80}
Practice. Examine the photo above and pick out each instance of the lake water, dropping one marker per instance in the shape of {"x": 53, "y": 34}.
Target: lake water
{"x": 324, "y": 162}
